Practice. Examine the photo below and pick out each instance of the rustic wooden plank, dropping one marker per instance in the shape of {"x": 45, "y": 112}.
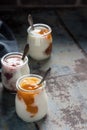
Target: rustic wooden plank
{"x": 76, "y": 25}
{"x": 67, "y": 103}
{"x": 66, "y": 28}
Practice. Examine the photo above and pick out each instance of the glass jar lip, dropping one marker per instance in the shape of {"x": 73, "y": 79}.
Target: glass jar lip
{"x": 14, "y": 53}
{"x": 41, "y": 25}
{"x": 29, "y": 75}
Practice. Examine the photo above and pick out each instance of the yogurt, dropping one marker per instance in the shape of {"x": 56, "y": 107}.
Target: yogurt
{"x": 40, "y": 41}
{"x": 31, "y": 99}
{"x": 12, "y": 68}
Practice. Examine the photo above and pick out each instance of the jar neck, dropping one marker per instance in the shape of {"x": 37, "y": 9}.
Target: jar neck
{"x": 40, "y": 26}
{"x": 14, "y": 54}
{"x": 22, "y": 81}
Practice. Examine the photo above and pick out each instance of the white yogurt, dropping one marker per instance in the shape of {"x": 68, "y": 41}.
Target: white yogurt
{"x": 31, "y": 105}
{"x": 12, "y": 68}
{"x": 40, "y": 41}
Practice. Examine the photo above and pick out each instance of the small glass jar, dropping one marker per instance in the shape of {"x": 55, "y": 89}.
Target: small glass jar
{"x": 31, "y": 99}
{"x": 40, "y": 41}
{"x": 13, "y": 67}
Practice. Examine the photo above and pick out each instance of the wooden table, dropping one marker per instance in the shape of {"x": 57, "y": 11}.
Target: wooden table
{"x": 66, "y": 89}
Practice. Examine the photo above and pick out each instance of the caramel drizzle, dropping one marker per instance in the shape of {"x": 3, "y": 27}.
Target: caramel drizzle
{"x": 29, "y": 101}
{"x": 44, "y": 31}
{"x": 29, "y": 98}
{"x": 49, "y": 49}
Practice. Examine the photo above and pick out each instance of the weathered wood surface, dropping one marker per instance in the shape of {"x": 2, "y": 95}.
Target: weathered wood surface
{"x": 66, "y": 83}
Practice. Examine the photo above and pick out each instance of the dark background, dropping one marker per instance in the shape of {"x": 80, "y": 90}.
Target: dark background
{"x": 16, "y": 4}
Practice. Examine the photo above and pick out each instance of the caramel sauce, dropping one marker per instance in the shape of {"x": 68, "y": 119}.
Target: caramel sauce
{"x": 44, "y": 31}
{"x": 28, "y": 97}
{"x": 49, "y": 49}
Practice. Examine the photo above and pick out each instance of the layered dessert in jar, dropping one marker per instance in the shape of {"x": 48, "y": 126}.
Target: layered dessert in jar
{"x": 31, "y": 99}
{"x": 13, "y": 67}
{"x": 40, "y": 41}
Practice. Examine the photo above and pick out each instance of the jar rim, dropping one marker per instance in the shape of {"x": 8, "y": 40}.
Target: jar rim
{"x": 26, "y": 76}
{"x": 14, "y": 53}
{"x": 41, "y": 25}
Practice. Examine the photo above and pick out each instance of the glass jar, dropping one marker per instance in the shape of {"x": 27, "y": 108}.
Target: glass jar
{"x": 40, "y": 41}
{"x": 31, "y": 99}
{"x": 12, "y": 68}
